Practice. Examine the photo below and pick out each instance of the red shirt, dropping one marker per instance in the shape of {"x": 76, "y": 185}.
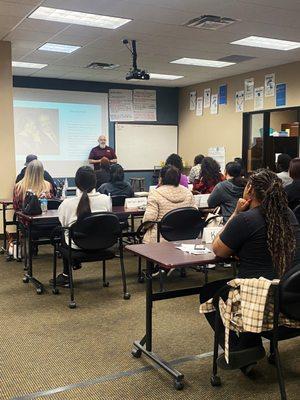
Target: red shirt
{"x": 205, "y": 188}
{"x": 97, "y": 153}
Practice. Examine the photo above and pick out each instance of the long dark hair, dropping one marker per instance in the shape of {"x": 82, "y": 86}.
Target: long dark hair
{"x": 169, "y": 175}
{"x": 116, "y": 173}
{"x": 85, "y": 180}
{"x": 176, "y": 161}
{"x": 274, "y": 205}
{"x": 210, "y": 171}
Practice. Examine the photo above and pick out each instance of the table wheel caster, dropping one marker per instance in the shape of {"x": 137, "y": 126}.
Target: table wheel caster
{"x": 55, "y": 291}
{"x": 126, "y": 296}
{"x": 25, "y": 279}
{"x": 178, "y": 385}
{"x": 105, "y": 284}
{"x": 141, "y": 279}
{"x": 215, "y": 380}
{"x": 39, "y": 290}
{"x": 136, "y": 353}
{"x": 72, "y": 304}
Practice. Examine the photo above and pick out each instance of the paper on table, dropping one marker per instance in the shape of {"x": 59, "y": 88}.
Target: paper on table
{"x": 190, "y": 248}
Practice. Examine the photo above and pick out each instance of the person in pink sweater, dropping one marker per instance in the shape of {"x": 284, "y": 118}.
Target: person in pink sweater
{"x": 168, "y": 196}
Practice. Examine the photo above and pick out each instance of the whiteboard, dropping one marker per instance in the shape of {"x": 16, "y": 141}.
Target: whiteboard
{"x": 141, "y": 147}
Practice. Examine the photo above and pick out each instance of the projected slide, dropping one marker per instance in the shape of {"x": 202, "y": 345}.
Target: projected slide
{"x": 61, "y": 133}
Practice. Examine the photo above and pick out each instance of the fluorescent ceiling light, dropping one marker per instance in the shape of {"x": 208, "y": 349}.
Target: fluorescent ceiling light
{"x": 20, "y": 64}
{"x": 201, "y": 63}
{"x": 79, "y": 18}
{"x": 163, "y": 76}
{"x": 267, "y": 43}
{"x": 59, "y": 48}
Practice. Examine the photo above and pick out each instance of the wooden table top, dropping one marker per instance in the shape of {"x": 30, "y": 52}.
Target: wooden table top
{"x": 168, "y": 256}
{"x": 52, "y": 214}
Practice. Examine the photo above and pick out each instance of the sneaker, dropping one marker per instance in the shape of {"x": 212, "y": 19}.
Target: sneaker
{"x": 210, "y": 266}
{"x": 77, "y": 266}
{"x": 61, "y": 280}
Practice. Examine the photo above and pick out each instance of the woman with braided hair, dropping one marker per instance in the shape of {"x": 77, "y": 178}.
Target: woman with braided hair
{"x": 263, "y": 233}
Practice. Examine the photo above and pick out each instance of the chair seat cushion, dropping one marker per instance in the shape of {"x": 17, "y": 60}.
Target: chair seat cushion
{"x": 284, "y": 333}
{"x": 85, "y": 256}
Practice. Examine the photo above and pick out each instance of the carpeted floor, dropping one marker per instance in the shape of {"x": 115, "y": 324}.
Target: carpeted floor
{"x": 50, "y": 351}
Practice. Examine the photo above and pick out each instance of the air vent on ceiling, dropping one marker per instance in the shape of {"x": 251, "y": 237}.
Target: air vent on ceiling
{"x": 99, "y": 65}
{"x": 211, "y": 22}
{"x": 236, "y": 58}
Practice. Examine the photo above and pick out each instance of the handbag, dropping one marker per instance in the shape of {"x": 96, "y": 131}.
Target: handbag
{"x": 214, "y": 219}
{"x": 31, "y": 204}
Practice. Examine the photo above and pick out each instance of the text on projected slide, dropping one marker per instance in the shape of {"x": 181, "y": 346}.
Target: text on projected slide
{"x": 56, "y": 131}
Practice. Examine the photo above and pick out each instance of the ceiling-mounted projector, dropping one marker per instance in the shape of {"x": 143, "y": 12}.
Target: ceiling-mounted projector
{"x": 135, "y": 72}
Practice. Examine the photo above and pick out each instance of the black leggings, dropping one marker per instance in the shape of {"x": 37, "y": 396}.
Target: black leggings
{"x": 245, "y": 339}
{"x": 75, "y": 263}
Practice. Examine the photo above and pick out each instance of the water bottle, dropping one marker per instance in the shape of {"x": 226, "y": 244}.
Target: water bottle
{"x": 64, "y": 189}
{"x": 44, "y": 204}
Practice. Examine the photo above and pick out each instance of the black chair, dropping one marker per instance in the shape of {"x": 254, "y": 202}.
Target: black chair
{"x": 296, "y": 211}
{"x": 287, "y": 303}
{"x": 94, "y": 236}
{"x": 118, "y": 200}
{"x": 185, "y": 223}
{"x": 53, "y": 204}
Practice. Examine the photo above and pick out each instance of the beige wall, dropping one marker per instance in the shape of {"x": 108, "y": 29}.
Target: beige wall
{"x": 197, "y": 134}
{"x": 7, "y": 145}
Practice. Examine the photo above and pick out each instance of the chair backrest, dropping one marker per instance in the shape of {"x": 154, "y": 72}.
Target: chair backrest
{"x": 53, "y": 204}
{"x": 289, "y": 294}
{"x": 118, "y": 200}
{"x": 97, "y": 231}
{"x": 181, "y": 224}
{"x": 296, "y": 211}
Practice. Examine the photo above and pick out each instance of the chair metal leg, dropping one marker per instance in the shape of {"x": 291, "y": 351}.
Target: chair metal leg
{"x": 215, "y": 379}
{"x": 140, "y": 275}
{"x": 105, "y": 283}
{"x": 54, "y": 288}
{"x": 72, "y": 303}
{"x": 279, "y": 372}
{"x": 161, "y": 280}
{"x": 126, "y": 295}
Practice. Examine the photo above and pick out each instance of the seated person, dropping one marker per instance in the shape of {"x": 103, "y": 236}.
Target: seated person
{"x": 47, "y": 176}
{"x": 117, "y": 186}
{"x": 283, "y": 164}
{"x": 176, "y": 161}
{"x": 240, "y": 161}
{"x": 33, "y": 180}
{"x": 210, "y": 175}
{"x": 264, "y": 234}
{"x": 103, "y": 173}
{"x": 293, "y": 189}
{"x": 72, "y": 209}
{"x": 196, "y": 169}
{"x": 168, "y": 196}
{"x": 227, "y": 193}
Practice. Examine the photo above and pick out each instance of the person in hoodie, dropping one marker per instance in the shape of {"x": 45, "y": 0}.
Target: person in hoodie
{"x": 227, "y": 193}
{"x": 117, "y": 186}
{"x": 168, "y": 196}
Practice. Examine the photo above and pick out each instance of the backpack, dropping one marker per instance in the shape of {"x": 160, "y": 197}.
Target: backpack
{"x": 31, "y": 204}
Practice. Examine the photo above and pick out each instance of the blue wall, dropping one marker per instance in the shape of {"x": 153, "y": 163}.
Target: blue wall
{"x": 166, "y": 98}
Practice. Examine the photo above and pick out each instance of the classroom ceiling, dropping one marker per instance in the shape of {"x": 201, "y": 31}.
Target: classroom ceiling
{"x": 157, "y": 25}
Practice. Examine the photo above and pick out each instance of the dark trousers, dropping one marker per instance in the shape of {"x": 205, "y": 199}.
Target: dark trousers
{"x": 75, "y": 263}
{"x": 245, "y": 339}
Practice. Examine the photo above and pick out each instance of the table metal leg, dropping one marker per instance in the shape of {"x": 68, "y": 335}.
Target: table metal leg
{"x": 4, "y": 247}
{"x": 28, "y": 277}
{"x": 147, "y": 339}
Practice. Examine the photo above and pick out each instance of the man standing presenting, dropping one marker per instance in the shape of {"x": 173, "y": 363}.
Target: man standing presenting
{"x": 100, "y": 151}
